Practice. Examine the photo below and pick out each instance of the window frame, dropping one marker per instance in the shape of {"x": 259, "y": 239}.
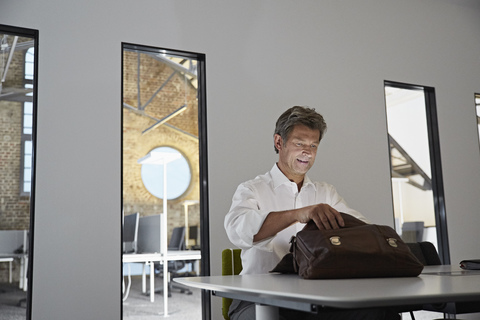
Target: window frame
{"x": 436, "y": 165}
{"x": 34, "y": 34}
{"x": 203, "y": 157}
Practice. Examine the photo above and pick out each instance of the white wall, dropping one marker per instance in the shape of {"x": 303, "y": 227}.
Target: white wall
{"x": 262, "y": 57}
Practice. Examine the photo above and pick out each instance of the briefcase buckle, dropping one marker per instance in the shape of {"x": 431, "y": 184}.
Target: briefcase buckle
{"x": 335, "y": 240}
{"x": 392, "y": 242}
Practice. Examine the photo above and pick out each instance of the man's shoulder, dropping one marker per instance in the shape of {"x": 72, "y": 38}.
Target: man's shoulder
{"x": 260, "y": 183}
{"x": 322, "y": 185}
{"x": 265, "y": 178}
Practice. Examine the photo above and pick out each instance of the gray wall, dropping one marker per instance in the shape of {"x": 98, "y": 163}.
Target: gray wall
{"x": 262, "y": 57}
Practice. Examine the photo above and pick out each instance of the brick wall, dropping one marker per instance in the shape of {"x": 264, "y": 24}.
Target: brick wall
{"x": 14, "y": 209}
{"x": 174, "y": 94}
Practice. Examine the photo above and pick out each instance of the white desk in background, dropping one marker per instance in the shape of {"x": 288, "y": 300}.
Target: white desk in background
{"x": 9, "y": 260}
{"x": 23, "y": 258}
{"x": 12, "y": 241}
{"x": 152, "y": 258}
{"x": 436, "y": 284}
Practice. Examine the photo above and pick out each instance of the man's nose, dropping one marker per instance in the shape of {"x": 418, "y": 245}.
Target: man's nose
{"x": 307, "y": 149}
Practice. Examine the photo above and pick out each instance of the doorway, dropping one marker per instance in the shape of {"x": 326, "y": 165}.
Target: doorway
{"x": 164, "y": 178}
{"x": 416, "y": 174}
{"x": 18, "y": 112}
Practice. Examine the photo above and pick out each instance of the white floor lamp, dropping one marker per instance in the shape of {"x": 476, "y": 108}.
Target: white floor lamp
{"x": 162, "y": 158}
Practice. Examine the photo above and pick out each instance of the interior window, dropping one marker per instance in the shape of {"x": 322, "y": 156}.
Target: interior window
{"x": 164, "y": 184}
{"x": 415, "y": 165}
{"x": 477, "y": 108}
{"x": 18, "y": 69}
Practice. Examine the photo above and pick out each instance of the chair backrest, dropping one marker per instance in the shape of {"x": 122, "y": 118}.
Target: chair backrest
{"x": 231, "y": 265}
{"x": 149, "y": 229}
{"x": 130, "y": 232}
{"x": 177, "y": 240}
{"x": 412, "y": 231}
{"x": 193, "y": 233}
{"x": 425, "y": 252}
{"x": 13, "y": 241}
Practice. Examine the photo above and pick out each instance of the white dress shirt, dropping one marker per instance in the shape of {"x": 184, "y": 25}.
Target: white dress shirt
{"x": 273, "y": 191}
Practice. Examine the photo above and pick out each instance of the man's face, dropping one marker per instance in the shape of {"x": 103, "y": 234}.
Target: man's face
{"x": 297, "y": 154}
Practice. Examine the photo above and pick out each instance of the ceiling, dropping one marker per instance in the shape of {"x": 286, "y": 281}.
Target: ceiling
{"x": 12, "y": 51}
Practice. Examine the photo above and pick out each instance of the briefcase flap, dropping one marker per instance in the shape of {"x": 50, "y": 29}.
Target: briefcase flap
{"x": 362, "y": 251}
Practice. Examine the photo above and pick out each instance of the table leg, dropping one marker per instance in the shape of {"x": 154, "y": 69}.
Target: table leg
{"x": 10, "y": 271}
{"x": 265, "y": 312}
{"x": 165, "y": 287}
{"x": 126, "y": 290}
{"x": 152, "y": 283}
{"x": 25, "y": 273}
{"x": 144, "y": 278}
{"x": 22, "y": 266}
{"x": 197, "y": 267}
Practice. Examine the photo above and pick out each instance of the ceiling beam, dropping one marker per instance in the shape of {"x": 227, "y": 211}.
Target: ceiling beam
{"x": 172, "y": 127}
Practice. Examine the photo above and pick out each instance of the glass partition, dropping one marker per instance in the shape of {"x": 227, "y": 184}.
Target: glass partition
{"x": 18, "y": 74}
{"x": 477, "y": 109}
{"x": 417, "y": 185}
{"x": 164, "y": 180}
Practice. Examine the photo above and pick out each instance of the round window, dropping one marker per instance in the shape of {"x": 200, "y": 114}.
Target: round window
{"x": 178, "y": 172}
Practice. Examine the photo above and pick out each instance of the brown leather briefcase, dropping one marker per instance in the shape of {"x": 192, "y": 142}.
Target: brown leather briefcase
{"x": 358, "y": 250}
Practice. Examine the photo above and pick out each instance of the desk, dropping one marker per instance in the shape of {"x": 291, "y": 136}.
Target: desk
{"x": 23, "y": 257}
{"x": 151, "y": 258}
{"x": 436, "y": 284}
{"x": 9, "y": 260}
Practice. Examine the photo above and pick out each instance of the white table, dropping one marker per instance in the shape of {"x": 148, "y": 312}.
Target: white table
{"x": 9, "y": 260}
{"x": 23, "y": 258}
{"x": 436, "y": 284}
{"x": 150, "y": 259}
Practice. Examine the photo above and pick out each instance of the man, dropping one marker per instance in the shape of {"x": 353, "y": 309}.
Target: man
{"x": 269, "y": 209}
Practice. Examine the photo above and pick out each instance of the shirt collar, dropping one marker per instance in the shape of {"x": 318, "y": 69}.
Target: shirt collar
{"x": 278, "y": 178}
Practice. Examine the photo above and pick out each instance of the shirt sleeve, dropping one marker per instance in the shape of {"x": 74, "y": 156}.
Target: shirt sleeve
{"x": 245, "y": 219}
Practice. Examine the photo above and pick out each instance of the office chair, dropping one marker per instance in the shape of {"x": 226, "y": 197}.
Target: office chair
{"x": 231, "y": 265}
{"x": 412, "y": 231}
{"x": 177, "y": 242}
{"x": 427, "y": 254}
{"x": 193, "y": 232}
{"x": 130, "y": 232}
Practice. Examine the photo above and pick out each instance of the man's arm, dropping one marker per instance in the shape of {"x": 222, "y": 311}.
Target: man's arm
{"x": 324, "y": 216}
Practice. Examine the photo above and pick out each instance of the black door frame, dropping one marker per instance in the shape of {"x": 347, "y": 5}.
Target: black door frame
{"x": 34, "y": 34}
{"x": 203, "y": 161}
{"x": 436, "y": 165}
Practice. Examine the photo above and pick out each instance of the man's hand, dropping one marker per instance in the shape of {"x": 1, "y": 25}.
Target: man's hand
{"x": 324, "y": 216}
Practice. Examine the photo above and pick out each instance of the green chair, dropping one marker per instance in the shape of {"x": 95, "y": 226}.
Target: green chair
{"x": 231, "y": 265}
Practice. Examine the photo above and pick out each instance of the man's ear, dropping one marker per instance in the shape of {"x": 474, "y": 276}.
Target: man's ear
{"x": 278, "y": 141}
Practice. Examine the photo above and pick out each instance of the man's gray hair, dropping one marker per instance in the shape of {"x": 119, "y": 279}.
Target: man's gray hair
{"x": 299, "y": 116}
